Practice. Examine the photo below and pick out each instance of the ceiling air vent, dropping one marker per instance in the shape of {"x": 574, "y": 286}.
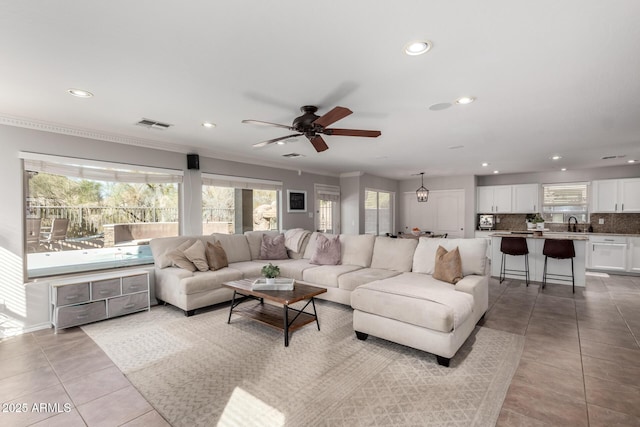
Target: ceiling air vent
{"x": 153, "y": 124}
{"x": 292, "y": 155}
{"x": 614, "y": 157}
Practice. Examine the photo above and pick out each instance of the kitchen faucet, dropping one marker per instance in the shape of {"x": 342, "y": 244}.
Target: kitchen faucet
{"x": 574, "y": 225}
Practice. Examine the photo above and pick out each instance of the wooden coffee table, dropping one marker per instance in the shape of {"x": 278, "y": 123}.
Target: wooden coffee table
{"x": 272, "y": 315}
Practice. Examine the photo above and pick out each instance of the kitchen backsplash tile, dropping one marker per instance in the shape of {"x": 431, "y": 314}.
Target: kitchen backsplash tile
{"x": 621, "y": 223}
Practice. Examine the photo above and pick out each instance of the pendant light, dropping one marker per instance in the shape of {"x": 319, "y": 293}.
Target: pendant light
{"x": 422, "y": 193}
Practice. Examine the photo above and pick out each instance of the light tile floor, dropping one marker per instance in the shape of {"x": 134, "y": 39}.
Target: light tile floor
{"x": 580, "y": 366}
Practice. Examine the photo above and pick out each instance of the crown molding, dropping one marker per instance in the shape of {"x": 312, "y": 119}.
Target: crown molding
{"x": 43, "y": 126}
{"x": 87, "y": 133}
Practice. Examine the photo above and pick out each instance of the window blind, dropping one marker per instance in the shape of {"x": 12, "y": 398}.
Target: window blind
{"x": 328, "y": 193}
{"x": 240, "y": 182}
{"x": 98, "y": 171}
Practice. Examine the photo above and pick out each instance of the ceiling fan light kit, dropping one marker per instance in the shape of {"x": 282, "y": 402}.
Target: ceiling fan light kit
{"x": 312, "y": 126}
{"x": 422, "y": 193}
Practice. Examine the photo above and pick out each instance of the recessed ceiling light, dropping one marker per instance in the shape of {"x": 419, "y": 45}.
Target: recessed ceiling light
{"x": 631, "y": 161}
{"x": 80, "y": 93}
{"x": 496, "y": 171}
{"x": 556, "y": 157}
{"x": 209, "y": 125}
{"x": 563, "y": 169}
{"x": 485, "y": 164}
{"x": 464, "y": 100}
{"x": 417, "y": 48}
{"x": 280, "y": 143}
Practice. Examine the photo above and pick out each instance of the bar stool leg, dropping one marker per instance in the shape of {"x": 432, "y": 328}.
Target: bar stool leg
{"x": 502, "y": 268}
{"x": 573, "y": 279}
{"x": 526, "y": 267}
{"x": 544, "y": 273}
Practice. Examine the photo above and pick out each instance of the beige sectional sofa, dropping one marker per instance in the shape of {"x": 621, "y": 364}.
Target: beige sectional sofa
{"x": 387, "y": 281}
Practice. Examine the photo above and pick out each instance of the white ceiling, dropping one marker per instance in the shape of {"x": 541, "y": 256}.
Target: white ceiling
{"x": 550, "y": 77}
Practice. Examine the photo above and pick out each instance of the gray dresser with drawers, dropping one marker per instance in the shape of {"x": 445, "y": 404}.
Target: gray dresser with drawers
{"x": 89, "y": 298}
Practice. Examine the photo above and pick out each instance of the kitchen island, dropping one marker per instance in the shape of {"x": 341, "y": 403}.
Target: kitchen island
{"x": 536, "y": 259}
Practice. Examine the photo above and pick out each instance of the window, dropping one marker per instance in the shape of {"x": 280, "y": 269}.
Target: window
{"x": 83, "y": 215}
{"x": 562, "y": 201}
{"x": 235, "y": 204}
{"x": 327, "y": 208}
{"x": 378, "y": 212}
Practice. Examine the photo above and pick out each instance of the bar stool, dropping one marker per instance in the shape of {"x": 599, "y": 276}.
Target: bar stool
{"x": 558, "y": 249}
{"x": 515, "y": 246}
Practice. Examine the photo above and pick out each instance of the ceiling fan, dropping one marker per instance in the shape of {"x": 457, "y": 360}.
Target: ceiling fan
{"x": 311, "y": 125}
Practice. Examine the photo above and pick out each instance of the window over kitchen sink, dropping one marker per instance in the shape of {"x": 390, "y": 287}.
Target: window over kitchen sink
{"x": 562, "y": 201}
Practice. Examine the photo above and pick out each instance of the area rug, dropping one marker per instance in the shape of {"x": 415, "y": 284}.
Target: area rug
{"x": 201, "y": 371}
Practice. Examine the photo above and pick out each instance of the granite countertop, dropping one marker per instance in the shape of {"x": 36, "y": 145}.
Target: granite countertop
{"x": 576, "y": 233}
{"x": 545, "y": 235}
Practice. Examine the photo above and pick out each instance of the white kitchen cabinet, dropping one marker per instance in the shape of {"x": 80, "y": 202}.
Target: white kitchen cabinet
{"x": 525, "y": 198}
{"x": 634, "y": 255}
{"x": 616, "y": 195}
{"x": 607, "y": 253}
{"x": 630, "y": 192}
{"x": 494, "y": 199}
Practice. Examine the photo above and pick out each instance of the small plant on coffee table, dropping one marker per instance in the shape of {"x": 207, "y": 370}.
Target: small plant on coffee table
{"x": 270, "y": 271}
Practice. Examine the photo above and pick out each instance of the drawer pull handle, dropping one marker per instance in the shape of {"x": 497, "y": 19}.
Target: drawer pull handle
{"x": 134, "y": 287}
{"x": 609, "y": 240}
{"x": 71, "y": 296}
{"x": 130, "y": 305}
{"x": 104, "y": 292}
{"x": 82, "y": 316}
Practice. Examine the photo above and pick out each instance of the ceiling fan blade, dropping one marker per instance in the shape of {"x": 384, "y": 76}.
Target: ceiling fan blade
{"x": 318, "y": 143}
{"x": 353, "y": 132}
{"x": 332, "y": 116}
{"x": 271, "y": 141}
{"x": 261, "y": 123}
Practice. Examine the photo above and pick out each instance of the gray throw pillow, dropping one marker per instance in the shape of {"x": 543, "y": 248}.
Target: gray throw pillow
{"x": 327, "y": 250}
{"x": 273, "y": 247}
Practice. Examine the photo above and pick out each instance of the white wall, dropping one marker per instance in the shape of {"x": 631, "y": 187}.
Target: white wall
{"x": 25, "y": 306}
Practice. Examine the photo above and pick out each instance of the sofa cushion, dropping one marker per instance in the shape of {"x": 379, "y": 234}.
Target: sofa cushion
{"x": 417, "y": 299}
{"x": 393, "y": 254}
{"x": 357, "y": 249}
{"x": 472, "y": 253}
{"x": 448, "y": 266}
{"x": 294, "y": 268}
{"x": 327, "y": 275}
{"x": 272, "y": 247}
{"x": 179, "y": 259}
{"x": 252, "y": 269}
{"x": 236, "y": 246}
{"x": 350, "y": 281}
{"x": 327, "y": 250}
{"x": 216, "y": 256}
{"x": 196, "y": 254}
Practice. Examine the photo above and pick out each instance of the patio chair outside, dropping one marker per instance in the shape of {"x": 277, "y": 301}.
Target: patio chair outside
{"x": 33, "y": 234}
{"x": 57, "y": 234}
